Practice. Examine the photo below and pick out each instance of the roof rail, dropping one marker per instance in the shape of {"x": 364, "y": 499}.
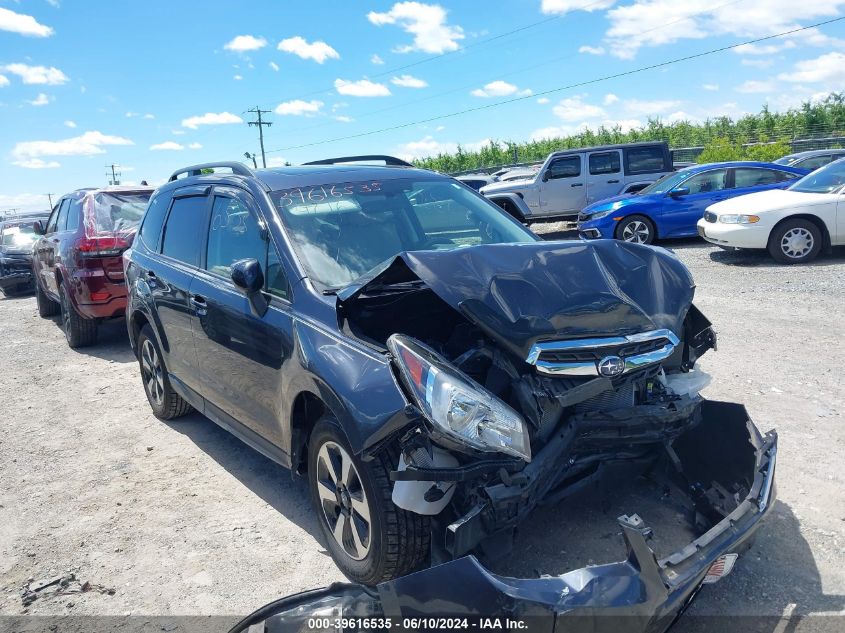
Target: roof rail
{"x": 390, "y": 161}
{"x": 195, "y": 170}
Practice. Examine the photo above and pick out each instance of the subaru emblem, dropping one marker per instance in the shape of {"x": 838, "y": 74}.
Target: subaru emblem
{"x": 611, "y": 366}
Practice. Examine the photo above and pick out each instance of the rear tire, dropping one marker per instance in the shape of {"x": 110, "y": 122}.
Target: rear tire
{"x": 164, "y": 401}
{"x": 795, "y": 241}
{"x": 46, "y": 306}
{"x": 79, "y": 331}
{"x": 395, "y": 542}
{"x": 636, "y": 229}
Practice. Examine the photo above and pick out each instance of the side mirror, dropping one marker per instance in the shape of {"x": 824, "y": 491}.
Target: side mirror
{"x": 38, "y": 227}
{"x": 249, "y": 279}
{"x": 679, "y": 192}
{"x": 546, "y": 176}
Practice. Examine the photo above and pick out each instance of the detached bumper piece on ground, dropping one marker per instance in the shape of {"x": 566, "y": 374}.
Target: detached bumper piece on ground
{"x": 723, "y": 464}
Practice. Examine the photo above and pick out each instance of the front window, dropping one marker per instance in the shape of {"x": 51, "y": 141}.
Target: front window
{"x": 17, "y": 236}
{"x": 828, "y": 179}
{"x": 343, "y": 230}
{"x": 118, "y": 212}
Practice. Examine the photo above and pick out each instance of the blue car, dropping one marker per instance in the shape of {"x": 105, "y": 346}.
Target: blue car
{"x": 671, "y": 206}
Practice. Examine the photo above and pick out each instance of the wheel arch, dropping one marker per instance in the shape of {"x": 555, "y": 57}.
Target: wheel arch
{"x": 826, "y": 242}
{"x": 307, "y": 408}
{"x": 642, "y": 214}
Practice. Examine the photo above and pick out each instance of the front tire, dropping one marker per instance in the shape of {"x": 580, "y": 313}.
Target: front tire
{"x": 636, "y": 229}
{"x": 164, "y": 401}
{"x": 795, "y": 241}
{"x": 46, "y": 306}
{"x": 370, "y": 539}
{"x": 79, "y": 331}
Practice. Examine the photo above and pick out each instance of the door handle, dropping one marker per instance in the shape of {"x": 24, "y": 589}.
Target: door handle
{"x": 577, "y": 184}
{"x": 200, "y": 305}
{"x": 611, "y": 182}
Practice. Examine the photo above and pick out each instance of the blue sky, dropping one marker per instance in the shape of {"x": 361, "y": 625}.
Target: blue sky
{"x": 154, "y": 85}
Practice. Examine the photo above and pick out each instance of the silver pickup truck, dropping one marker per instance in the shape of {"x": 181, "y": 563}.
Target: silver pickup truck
{"x": 570, "y": 180}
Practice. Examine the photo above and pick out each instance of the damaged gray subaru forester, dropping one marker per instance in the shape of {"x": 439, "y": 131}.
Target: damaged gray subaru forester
{"x": 437, "y": 371}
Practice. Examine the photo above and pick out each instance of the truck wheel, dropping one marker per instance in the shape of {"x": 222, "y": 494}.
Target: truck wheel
{"x": 79, "y": 331}
{"x": 370, "y": 539}
{"x": 46, "y": 306}
{"x": 795, "y": 241}
{"x": 637, "y": 229}
{"x": 164, "y": 401}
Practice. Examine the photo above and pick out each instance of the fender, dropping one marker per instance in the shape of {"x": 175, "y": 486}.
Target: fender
{"x": 512, "y": 203}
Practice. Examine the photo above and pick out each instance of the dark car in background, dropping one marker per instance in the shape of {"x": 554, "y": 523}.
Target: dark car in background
{"x": 437, "y": 371}
{"x": 17, "y": 236}
{"x": 77, "y": 261}
{"x": 811, "y": 159}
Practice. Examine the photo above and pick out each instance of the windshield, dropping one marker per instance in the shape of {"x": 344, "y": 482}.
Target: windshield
{"x": 19, "y": 235}
{"x": 119, "y": 212}
{"x": 666, "y": 183}
{"x": 343, "y": 230}
{"x": 828, "y": 179}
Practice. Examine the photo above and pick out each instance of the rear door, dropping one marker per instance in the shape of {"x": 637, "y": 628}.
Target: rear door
{"x": 50, "y": 253}
{"x": 563, "y": 188}
{"x": 745, "y": 180}
{"x": 604, "y": 174}
{"x": 241, "y": 355}
{"x": 171, "y": 274}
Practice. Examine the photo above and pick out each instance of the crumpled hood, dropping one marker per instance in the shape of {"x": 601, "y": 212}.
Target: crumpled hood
{"x": 519, "y": 294}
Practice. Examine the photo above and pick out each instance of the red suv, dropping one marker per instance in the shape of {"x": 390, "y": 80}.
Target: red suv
{"x": 77, "y": 263}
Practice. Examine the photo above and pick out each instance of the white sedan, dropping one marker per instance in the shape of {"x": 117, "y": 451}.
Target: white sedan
{"x": 794, "y": 224}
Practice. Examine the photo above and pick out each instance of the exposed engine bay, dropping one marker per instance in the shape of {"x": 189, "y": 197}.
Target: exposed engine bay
{"x": 533, "y": 367}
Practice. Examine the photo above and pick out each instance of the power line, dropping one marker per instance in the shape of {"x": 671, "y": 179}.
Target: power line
{"x": 260, "y": 124}
{"x": 561, "y": 88}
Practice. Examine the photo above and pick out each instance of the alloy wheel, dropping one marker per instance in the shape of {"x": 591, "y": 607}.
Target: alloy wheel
{"x": 151, "y": 372}
{"x": 797, "y": 242}
{"x": 343, "y": 500}
{"x": 637, "y": 232}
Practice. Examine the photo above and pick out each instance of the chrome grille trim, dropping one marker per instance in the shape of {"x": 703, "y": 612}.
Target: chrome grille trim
{"x": 604, "y": 346}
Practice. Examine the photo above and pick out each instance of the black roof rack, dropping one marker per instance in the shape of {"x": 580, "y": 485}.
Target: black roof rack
{"x": 195, "y": 170}
{"x": 390, "y": 161}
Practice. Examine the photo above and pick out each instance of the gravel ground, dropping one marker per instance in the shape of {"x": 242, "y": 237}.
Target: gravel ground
{"x": 182, "y": 519}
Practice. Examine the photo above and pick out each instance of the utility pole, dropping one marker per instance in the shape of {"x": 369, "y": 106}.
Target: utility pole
{"x": 260, "y": 124}
{"x": 114, "y": 175}
{"x": 251, "y": 156}
{"x": 50, "y": 198}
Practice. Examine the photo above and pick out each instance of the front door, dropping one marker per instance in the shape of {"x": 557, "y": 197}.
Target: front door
{"x": 562, "y": 186}
{"x": 241, "y": 355}
{"x": 604, "y": 175}
{"x": 681, "y": 214}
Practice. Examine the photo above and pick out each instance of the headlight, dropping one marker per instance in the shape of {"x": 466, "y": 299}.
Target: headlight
{"x": 598, "y": 215}
{"x": 738, "y": 219}
{"x": 456, "y": 404}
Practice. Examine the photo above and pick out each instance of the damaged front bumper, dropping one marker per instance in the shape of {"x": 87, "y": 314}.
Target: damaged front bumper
{"x": 642, "y": 593}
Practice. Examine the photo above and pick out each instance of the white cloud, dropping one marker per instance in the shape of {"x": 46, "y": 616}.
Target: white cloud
{"x": 409, "y": 81}
{"x": 37, "y": 74}
{"x": 753, "y": 86}
{"x": 758, "y": 63}
{"x": 343, "y": 118}
{"x": 641, "y": 23}
{"x": 764, "y": 49}
{"x": 70, "y": 124}
{"x": 624, "y": 125}
{"x": 543, "y": 100}
{"x": 643, "y": 107}
{"x": 298, "y": 107}
{"x": 425, "y": 147}
{"x": 41, "y": 100}
{"x": 22, "y": 24}
{"x": 610, "y": 99}
{"x": 426, "y": 22}
{"x": 318, "y": 51}
{"x": 711, "y": 87}
{"x": 276, "y": 161}
{"x": 680, "y": 115}
{"x": 167, "y": 146}
{"x": 592, "y": 50}
{"x": 36, "y": 163}
{"x": 148, "y": 116}
{"x": 24, "y": 201}
{"x": 274, "y": 66}
{"x": 440, "y": 128}
{"x": 4, "y": 81}
{"x": 194, "y": 145}
{"x": 211, "y": 118}
{"x": 827, "y": 69}
{"x": 499, "y": 88}
{"x": 575, "y": 109}
{"x": 565, "y": 6}
{"x": 237, "y": 77}
{"x": 244, "y": 43}
{"x": 361, "y": 88}
{"x": 375, "y": 59}
{"x": 87, "y": 144}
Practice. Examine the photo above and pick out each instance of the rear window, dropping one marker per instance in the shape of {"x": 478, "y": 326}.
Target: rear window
{"x": 644, "y": 160}
{"x": 153, "y": 219}
{"x": 183, "y": 232}
{"x": 117, "y": 212}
